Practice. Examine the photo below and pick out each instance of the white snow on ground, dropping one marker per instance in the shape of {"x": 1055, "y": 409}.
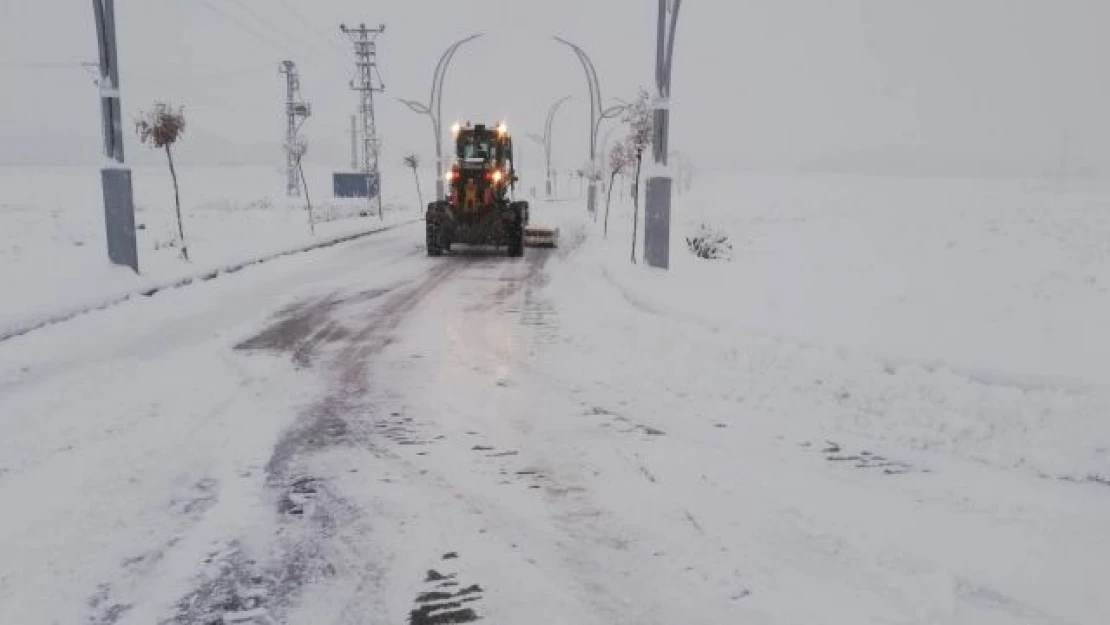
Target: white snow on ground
{"x": 53, "y": 254}
{"x": 134, "y": 440}
{"x": 994, "y": 292}
{"x": 1006, "y": 277}
{"x": 998, "y": 516}
{"x": 856, "y": 420}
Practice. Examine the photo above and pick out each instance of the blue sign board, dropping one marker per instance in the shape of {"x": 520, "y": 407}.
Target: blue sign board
{"x": 354, "y": 184}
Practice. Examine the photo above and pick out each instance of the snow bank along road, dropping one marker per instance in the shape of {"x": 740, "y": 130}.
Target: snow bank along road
{"x": 367, "y": 435}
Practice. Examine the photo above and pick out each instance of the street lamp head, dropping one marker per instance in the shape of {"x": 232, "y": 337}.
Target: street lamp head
{"x": 613, "y": 111}
{"x": 416, "y": 107}
{"x": 565, "y": 42}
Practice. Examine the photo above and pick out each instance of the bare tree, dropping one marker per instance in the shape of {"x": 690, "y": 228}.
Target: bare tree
{"x": 412, "y": 161}
{"x": 639, "y": 118}
{"x": 618, "y": 161}
{"x": 298, "y": 147}
{"x": 160, "y": 128}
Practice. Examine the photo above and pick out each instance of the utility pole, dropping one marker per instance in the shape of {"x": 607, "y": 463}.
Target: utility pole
{"x": 657, "y": 205}
{"x": 354, "y": 142}
{"x": 295, "y": 109}
{"x": 115, "y": 176}
{"x": 366, "y": 67}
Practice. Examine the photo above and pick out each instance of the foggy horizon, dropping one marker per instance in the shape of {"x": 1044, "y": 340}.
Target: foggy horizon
{"x": 978, "y": 88}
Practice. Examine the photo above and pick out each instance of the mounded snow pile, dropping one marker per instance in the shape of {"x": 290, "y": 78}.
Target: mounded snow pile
{"x": 53, "y": 257}
{"x": 1007, "y": 278}
{"x": 956, "y": 316}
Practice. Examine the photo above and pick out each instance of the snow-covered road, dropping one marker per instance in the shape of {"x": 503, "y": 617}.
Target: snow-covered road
{"x": 367, "y": 435}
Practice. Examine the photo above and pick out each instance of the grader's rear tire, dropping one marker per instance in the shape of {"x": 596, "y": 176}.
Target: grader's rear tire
{"x": 434, "y": 238}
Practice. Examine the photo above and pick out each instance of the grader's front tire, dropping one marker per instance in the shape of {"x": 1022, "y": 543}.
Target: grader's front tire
{"x": 515, "y": 243}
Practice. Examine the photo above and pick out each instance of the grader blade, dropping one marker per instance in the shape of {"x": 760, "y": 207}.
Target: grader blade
{"x": 541, "y": 236}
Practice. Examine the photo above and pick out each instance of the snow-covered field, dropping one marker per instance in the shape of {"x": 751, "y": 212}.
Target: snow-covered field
{"x": 989, "y": 297}
{"x": 887, "y": 407}
{"x": 53, "y": 257}
{"x": 1007, "y": 278}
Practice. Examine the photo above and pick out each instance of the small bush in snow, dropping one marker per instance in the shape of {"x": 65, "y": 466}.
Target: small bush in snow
{"x": 710, "y": 243}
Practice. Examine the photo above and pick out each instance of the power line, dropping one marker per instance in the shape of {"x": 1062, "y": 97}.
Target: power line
{"x": 259, "y": 33}
{"x": 301, "y": 18}
{"x": 177, "y": 78}
{"x": 270, "y": 25}
{"x": 46, "y": 65}
{"x": 244, "y": 26}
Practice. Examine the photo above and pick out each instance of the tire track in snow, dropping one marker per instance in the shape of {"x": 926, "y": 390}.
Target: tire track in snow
{"x": 314, "y": 518}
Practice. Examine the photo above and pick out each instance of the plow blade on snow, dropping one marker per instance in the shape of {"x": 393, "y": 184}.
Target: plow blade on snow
{"x": 541, "y": 236}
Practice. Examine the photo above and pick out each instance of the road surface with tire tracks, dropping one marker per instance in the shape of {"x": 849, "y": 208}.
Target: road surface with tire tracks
{"x": 368, "y": 435}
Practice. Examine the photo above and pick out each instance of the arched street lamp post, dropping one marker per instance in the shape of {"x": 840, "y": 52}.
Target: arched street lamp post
{"x": 434, "y": 108}
{"x": 546, "y": 141}
{"x": 595, "y": 113}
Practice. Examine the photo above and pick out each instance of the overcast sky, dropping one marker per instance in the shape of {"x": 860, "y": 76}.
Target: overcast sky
{"x": 951, "y": 86}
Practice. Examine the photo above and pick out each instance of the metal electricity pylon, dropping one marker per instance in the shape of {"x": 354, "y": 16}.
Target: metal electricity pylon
{"x": 367, "y": 82}
{"x": 295, "y": 108}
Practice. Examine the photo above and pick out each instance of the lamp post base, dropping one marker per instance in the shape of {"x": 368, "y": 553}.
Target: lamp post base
{"x": 119, "y": 217}
{"x": 657, "y": 222}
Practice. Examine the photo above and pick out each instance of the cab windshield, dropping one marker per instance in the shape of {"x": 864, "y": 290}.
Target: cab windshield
{"x": 476, "y": 150}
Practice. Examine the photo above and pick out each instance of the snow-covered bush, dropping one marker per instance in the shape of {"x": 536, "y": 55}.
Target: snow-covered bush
{"x": 619, "y": 158}
{"x": 710, "y": 243}
{"x": 160, "y": 128}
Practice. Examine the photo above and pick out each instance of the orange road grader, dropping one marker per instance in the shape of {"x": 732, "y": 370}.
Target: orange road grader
{"x": 479, "y": 208}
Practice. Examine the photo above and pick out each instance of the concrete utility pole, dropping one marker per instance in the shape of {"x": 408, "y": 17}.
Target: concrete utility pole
{"x": 115, "y": 177}
{"x": 366, "y": 65}
{"x": 434, "y": 108}
{"x": 657, "y": 205}
{"x": 595, "y": 113}
{"x": 295, "y": 109}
